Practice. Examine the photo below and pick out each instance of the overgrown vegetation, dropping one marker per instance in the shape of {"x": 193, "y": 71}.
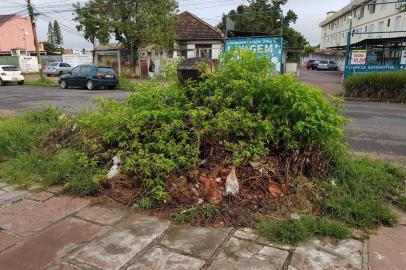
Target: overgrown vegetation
{"x": 29, "y": 163}
{"x": 357, "y": 190}
{"x": 291, "y": 231}
{"x": 179, "y": 144}
{"x": 383, "y": 86}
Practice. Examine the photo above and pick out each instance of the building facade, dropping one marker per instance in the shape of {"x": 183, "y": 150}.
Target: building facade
{"x": 16, "y": 36}
{"x": 368, "y": 22}
{"x": 194, "y": 38}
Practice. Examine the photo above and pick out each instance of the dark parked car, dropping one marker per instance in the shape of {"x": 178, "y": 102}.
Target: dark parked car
{"x": 309, "y": 64}
{"x": 315, "y": 64}
{"x": 89, "y": 76}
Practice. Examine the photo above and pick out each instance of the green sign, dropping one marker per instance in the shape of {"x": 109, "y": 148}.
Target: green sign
{"x": 269, "y": 46}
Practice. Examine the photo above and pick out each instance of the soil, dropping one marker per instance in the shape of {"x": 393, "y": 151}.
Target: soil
{"x": 273, "y": 186}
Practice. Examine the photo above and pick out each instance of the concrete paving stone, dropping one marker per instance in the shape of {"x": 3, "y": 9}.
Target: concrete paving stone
{"x": 7, "y": 240}
{"x": 102, "y": 215}
{"x": 163, "y": 259}
{"x": 50, "y": 245}
{"x": 125, "y": 240}
{"x": 196, "y": 241}
{"x": 401, "y": 215}
{"x": 15, "y": 209}
{"x": 65, "y": 266}
{"x": 55, "y": 189}
{"x": 12, "y": 196}
{"x": 249, "y": 234}
{"x": 40, "y": 196}
{"x": 9, "y": 188}
{"x": 387, "y": 249}
{"x": 59, "y": 207}
{"x": 327, "y": 254}
{"x": 3, "y": 184}
{"x": 246, "y": 255}
{"x": 25, "y": 221}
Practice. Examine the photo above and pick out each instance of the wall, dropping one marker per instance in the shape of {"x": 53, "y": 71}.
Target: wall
{"x": 28, "y": 64}
{"x": 9, "y": 60}
{"x": 11, "y": 35}
{"x": 339, "y": 60}
{"x": 334, "y": 34}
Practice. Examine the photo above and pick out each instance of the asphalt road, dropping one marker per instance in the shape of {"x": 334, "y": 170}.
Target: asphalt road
{"x": 23, "y": 98}
{"x": 378, "y": 129}
{"x": 375, "y": 129}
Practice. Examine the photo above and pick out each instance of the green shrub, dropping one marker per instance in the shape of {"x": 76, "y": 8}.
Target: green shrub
{"x": 292, "y": 231}
{"x": 20, "y": 133}
{"x": 385, "y": 85}
{"x": 162, "y": 129}
{"x": 358, "y": 191}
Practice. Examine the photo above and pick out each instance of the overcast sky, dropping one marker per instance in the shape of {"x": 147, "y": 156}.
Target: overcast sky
{"x": 310, "y": 12}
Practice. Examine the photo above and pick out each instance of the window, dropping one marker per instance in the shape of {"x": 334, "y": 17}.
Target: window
{"x": 53, "y": 64}
{"x": 372, "y": 7}
{"x": 76, "y": 71}
{"x": 10, "y": 68}
{"x": 388, "y": 24}
{"x": 397, "y": 23}
{"x": 380, "y": 28}
{"x": 361, "y": 13}
{"x": 64, "y": 65}
{"x": 384, "y": 4}
{"x": 371, "y": 29}
{"x": 366, "y": 28}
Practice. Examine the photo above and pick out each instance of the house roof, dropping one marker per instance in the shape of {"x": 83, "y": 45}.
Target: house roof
{"x": 6, "y": 18}
{"x": 191, "y": 27}
{"x": 342, "y": 11}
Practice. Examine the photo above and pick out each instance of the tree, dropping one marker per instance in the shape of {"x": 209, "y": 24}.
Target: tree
{"x": 51, "y": 49}
{"x": 50, "y": 33}
{"x": 133, "y": 23}
{"x": 58, "y": 39}
{"x": 264, "y": 16}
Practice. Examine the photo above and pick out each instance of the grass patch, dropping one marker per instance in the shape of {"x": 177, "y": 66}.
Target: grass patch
{"x": 358, "y": 191}
{"x": 143, "y": 204}
{"x": 50, "y": 169}
{"x": 186, "y": 215}
{"x": 43, "y": 83}
{"x": 20, "y": 133}
{"x": 292, "y": 231}
{"x": 384, "y": 85}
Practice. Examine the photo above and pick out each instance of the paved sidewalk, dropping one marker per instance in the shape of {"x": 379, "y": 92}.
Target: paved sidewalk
{"x": 48, "y": 231}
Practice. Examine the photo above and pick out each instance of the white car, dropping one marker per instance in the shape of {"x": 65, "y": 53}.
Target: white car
{"x": 10, "y": 73}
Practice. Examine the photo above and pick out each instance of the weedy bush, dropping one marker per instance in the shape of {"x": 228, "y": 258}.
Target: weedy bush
{"x": 162, "y": 129}
{"x": 292, "y": 231}
{"x": 385, "y": 85}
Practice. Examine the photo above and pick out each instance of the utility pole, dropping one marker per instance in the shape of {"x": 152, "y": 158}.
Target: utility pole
{"x": 34, "y": 30}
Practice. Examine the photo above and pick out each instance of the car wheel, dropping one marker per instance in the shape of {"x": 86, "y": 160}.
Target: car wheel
{"x": 21, "y": 83}
{"x": 90, "y": 85}
{"x": 1, "y": 82}
{"x": 112, "y": 87}
{"x": 63, "y": 84}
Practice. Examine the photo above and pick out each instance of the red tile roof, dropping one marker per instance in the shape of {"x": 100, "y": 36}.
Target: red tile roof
{"x": 191, "y": 27}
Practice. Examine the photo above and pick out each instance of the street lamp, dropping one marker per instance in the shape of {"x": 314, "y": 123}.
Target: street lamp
{"x": 347, "y": 58}
{"x": 25, "y": 35}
